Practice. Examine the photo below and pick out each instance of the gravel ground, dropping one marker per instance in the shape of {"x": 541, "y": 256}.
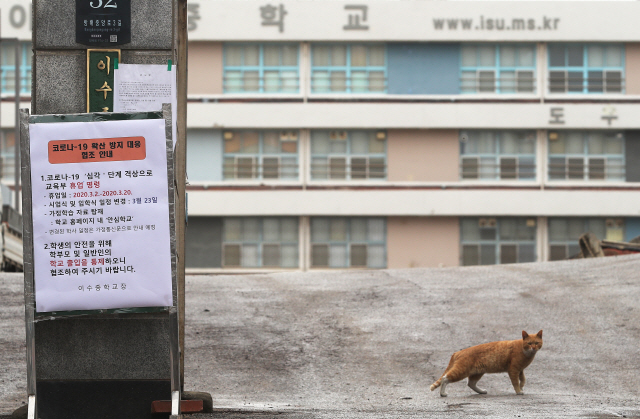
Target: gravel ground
{"x": 362, "y": 344}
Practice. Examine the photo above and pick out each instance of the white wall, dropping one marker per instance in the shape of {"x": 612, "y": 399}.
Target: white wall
{"x": 416, "y": 202}
{"x": 413, "y": 20}
{"x": 415, "y": 115}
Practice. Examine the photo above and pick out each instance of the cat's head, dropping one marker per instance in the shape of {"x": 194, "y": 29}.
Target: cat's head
{"x": 531, "y": 343}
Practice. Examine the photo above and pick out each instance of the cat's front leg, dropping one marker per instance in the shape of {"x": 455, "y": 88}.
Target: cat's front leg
{"x": 522, "y": 379}
{"x": 515, "y": 381}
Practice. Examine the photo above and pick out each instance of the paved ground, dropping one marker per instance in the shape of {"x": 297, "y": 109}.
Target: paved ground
{"x": 363, "y": 344}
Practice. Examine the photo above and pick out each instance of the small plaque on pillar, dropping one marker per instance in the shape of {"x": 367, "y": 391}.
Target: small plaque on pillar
{"x": 103, "y": 23}
{"x": 101, "y": 64}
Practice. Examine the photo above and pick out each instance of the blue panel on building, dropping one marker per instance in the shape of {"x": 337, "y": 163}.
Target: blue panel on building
{"x": 631, "y": 228}
{"x": 423, "y": 68}
{"x": 204, "y": 155}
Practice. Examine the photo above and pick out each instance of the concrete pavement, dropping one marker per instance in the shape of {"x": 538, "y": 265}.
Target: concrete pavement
{"x": 362, "y": 344}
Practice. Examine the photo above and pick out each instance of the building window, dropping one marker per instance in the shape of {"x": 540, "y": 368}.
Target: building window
{"x": 498, "y": 69}
{"x": 565, "y": 232}
{"x": 348, "y": 155}
{"x": 348, "y": 68}
{"x": 348, "y": 242}
{"x": 260, "y": 242}
{"x": 261, "y": 68}
{"x": 8, "y": 60}
{"x": 498, "y": 155}
{"x": 7, "y": 155}
{"x": 260, "y": 155}
{"x": 586, "y": 155}
{"x": 491, "y": 241}
{"x": 578, "y": 68}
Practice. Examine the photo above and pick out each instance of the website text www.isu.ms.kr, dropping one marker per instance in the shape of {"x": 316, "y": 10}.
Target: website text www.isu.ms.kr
{"x": 498, "y": 24}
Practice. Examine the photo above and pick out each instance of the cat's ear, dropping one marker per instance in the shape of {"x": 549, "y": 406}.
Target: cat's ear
{"x": 540, "y": 334}
{"x": 524, "y": 335}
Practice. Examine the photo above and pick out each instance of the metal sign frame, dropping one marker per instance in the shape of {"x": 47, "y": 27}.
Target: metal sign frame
{"x": 31, "y": 316}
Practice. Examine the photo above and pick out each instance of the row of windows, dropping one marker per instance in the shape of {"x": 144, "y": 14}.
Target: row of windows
{"x": 363, "y": 68}
{"x": 490, "y": 241}
{"x": 8, "y": 70}
{"x": 334, "y": 155}
{"x": 572, "y": 155}
{"x": 361, "y": 242}
{"x": 484, "y": 155}
{"x": 273, "y": 242}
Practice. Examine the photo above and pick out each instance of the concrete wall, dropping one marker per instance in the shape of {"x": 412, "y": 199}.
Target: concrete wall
{"x": 423, "y": 155}
{"x": 423, "y": 242}
{"x": 205, "y": 68}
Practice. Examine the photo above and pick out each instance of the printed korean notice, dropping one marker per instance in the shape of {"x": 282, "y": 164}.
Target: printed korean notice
{"x": 101, "y": 229}
{"x": 144, "y": 88}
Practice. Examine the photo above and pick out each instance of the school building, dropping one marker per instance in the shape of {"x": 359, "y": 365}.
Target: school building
{"x": 391, "y": 134}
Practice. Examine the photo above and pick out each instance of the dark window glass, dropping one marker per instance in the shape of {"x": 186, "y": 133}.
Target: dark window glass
{"x": 526, "y": 253}
{"x": 508, "y": 253}
{"x": 487, "y": 254}
{"x": 470, "y": 254}
{"x": 358, "y": 168}
{"x": 558, "y": 252}
{"x": 470, "y": 168}
{"x": 556, "y": 56}
{"x": 595, "y": 83}
{"x": 614, "y": 82}
{"x": 271, "y": 255}
{"x": 358, "y": 255}
{"x": 576, "y": 168}
{"x": 338, "y": 168}
{"x": 596, "y": 168}
{"x": 320, "y": 255}
{"x": 231, "y": 255}
{"x": 575, "y": 56}
{"x": 508, "y": 168}
{"x": 557, "y": 80}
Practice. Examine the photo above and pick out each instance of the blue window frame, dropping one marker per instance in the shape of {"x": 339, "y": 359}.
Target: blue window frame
{"x": 586, "y": 68}
{"x": 586, "y": 155}
{"x": 348, "y": 155}
{"x": 498, "y": 155}
{"x": 260, "y": 155}
{"x": 8, "y": 77}
{"x": 261, "y": 68}
{"x": 490, "y": 68}
{"x": 564, "y": 233}
{"x": 348, "y": 68}
{"x": 255, "y": 242}
{"x": 354, "y": 242}
{"x": 492, "y": 241}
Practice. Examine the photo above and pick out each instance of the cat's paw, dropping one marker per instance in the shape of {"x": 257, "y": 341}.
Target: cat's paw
{"x": 443, "y": 394}
{"x": 520, "y": 393}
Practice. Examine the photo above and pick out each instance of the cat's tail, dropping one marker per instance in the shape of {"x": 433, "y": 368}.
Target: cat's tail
{"x": 437, "y": 383}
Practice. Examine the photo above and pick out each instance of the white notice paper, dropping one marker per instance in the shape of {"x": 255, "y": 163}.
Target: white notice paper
{"x": 144, "y": 88}
{"x": 101, "y": 228}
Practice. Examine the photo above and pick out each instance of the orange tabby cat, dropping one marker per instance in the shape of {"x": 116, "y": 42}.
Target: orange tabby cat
{"x": 510, "y": 356}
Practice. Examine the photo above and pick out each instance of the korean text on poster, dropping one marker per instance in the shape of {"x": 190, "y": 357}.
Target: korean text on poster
{"x": 101, "y": 230}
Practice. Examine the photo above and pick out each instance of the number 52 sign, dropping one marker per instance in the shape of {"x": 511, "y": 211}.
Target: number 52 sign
{"x": 103, "y": 22}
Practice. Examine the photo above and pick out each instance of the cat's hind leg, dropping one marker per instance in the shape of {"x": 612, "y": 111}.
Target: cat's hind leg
{"x": 443, "y": 386}
{"x": 473, "y": 383}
